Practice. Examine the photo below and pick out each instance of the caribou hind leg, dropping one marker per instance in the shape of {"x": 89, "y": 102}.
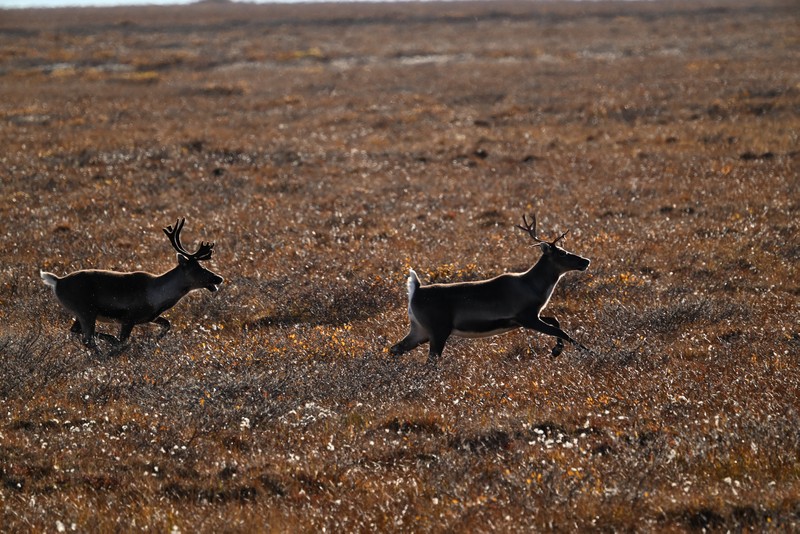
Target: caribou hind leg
{"x": 84, "y": 325}
{"x": 416, "y": 337}
{"x": 88, "y": 333}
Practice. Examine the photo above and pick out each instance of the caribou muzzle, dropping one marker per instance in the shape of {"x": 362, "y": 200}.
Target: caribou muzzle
{"x": 214, "y": 285}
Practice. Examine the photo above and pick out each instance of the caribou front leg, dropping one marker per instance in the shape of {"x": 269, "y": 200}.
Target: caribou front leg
{"x": 164, "y": 324}
{"x": 559, "y": 348}
{"x": 551, "y": 327}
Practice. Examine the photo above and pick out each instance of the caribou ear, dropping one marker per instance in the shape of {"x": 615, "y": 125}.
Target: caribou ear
{"x": 546, "y": 248}
{"x": 182, "y": 260}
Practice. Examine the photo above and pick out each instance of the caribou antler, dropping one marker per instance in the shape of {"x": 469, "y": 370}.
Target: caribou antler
{"x": 531, "y": 230}
{"x": 174, "y": 234}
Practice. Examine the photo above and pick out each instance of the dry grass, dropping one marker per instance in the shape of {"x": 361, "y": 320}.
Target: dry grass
{"x": 328, "y": 149}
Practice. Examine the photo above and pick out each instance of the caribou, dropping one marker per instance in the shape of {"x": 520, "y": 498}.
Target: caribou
{"x": 132, "y": 298}
{"x": 490, "y": 307}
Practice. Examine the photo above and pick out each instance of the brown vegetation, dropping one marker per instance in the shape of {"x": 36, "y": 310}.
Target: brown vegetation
{"x": 327, "y": 149}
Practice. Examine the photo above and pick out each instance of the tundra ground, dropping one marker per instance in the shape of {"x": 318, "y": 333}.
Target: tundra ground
{"x": 326, "y": 150}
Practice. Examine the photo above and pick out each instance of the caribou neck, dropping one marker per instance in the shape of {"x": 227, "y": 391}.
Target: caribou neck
{"x": 168, "y": 288}
{"x": 544, "y": 273}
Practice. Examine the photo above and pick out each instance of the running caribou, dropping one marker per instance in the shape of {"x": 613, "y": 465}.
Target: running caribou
{"x": 490, "y": 307}
{"x": 131, "y": 298}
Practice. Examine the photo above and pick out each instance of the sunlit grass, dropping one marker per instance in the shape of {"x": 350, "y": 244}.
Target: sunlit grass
{"x": 325, "y": 160}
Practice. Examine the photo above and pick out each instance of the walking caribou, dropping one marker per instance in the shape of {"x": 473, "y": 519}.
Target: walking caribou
{"x": 490, "y": 307}
{"x": 131, "y": 298}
